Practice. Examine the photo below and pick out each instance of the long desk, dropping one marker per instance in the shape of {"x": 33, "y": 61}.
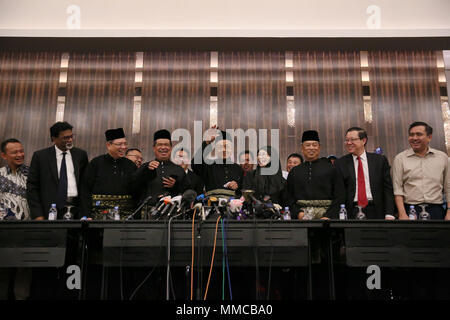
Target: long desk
{"x": 423, "y": 244}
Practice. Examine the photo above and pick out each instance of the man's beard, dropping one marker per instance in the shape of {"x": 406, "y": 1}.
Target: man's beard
{"x": 69, "y": 146}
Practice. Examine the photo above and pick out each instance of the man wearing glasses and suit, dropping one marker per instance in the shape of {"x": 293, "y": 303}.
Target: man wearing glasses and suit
{"x": 367, "y": 179}
{"x": 55, "y": 175}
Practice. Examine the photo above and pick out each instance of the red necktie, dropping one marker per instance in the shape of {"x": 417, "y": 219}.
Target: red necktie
{"x": 362, "y": 196}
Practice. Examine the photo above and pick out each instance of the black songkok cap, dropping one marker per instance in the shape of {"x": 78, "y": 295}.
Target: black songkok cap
{"x": 113, "y": 134}
{"x": 162, "y": 134}
{"x": 310, "y": 135}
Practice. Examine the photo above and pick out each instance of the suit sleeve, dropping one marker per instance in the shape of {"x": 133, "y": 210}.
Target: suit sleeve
{"x": 33, "y": 188}
{"x": 339, "y": 196}
{"x": 199, "y": 166}
{"x": 387, "y": 188}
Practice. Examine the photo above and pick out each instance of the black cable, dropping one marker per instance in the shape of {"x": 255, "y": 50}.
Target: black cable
{"x": 161, "y": 256}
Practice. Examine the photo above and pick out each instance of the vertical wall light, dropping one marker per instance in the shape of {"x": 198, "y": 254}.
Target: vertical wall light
{"x": 365, "y": 79}
{"x": 443, "y": 67}
{"x": 290, "y": 101}
{"x": 137, "y": 100}
{"x": 62, "y": 84}
{"x": 214, "y": 81}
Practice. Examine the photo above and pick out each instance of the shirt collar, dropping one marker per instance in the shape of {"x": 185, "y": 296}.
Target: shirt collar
{"x": 23, "y": 169}
{"x": 410, "y": 152}
{"x": 109, "y": 157}
{"x": 363, "y": 156}
{"x": 60, "y": 152}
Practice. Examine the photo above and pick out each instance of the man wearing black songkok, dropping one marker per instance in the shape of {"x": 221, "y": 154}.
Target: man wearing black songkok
{"x": 160, "y": 176}
{"x": 108, "y": 180}
{"x": 314, "y": 187}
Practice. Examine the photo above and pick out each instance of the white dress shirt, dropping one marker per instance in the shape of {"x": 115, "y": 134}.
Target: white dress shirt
{"x": 72, "y": 190}
{"x": 366, "y": 176}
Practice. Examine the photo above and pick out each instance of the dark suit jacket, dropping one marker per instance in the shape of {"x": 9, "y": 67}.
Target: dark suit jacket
{"x": 42, "y": 183}
{"x": 380, "y": 184}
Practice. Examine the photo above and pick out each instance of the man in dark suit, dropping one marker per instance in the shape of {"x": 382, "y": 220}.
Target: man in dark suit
{"x": 55, "y": 174}
{"x": 366, "y": 178}
{"x": 368, "y": 184}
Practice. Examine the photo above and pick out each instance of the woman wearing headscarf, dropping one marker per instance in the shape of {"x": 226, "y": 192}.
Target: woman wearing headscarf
{"x": 266, "y": 186}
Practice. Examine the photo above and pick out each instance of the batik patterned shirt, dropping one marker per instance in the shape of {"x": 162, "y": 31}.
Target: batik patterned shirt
{"x": 13, "y": 192}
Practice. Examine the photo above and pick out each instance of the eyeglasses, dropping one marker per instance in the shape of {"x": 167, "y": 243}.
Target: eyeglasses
{"x": 122, "y": 144}
{"x": 351, "y": 140}
{"x": 67, "y": 138}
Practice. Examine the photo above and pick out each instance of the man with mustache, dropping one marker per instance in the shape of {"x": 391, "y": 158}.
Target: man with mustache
{"x": 420, "y": 175}
{"x": 55, "y": 174}
{"x": 13, "y": 180}
{"x": 161, "y": 176}
{"x": 13, "y": 184}
{"x": 108, "y": 180}
{"x": 315, "y": 185}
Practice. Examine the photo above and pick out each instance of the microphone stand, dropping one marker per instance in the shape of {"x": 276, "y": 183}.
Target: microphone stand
{"x": 139, "y": 208}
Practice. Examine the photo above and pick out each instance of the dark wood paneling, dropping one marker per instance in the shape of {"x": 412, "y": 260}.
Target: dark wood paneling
{"x": 175, "y": 93}
{"x": 252, "y": 93}
{"x": 28, "y": 95}
{"x": 328, "y": 97}
{"x": 404, "y": 87}
{"x": 100, "y": 91}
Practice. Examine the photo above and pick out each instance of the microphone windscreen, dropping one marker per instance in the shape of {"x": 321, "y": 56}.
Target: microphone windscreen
{"x": 189, "y": 195}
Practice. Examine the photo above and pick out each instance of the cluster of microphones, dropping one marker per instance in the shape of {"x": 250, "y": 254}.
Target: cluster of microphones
{"x": 186, "y": 205}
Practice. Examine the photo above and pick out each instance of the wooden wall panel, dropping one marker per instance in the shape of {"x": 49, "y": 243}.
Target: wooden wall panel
{"x": 252, "y": 93}
{"x": 28, "y": 94}
{"x": 404, "y": 88}
{"x": 328, "y": 97}
{"x": 99, "y": 96}
{"x": 175, "y": 93}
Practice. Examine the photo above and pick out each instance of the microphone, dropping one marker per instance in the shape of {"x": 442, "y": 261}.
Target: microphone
{"x": 188, "y": 198}
{"x": 223, "y": 202}
{"x": 200, "y": 197}
{"x": 168, "y": 204}
{"x": 235, "y": 205}
{"x": 175, "y": 203}
{"x": 139, "y": 208}
{"x": 158, "y": 206}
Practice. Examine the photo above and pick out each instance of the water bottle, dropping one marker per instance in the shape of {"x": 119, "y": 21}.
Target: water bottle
{"x": 286, "y": 214}
{"x": 342, "y": 213}
{"x": 52, "y": 213}
{"x": 115, "y": 213}
{"x": 360, "y": 215}
{"x": 412, "y": 213}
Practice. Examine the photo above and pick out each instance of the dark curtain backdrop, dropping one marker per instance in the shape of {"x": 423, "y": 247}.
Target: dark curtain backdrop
{"x": 405, "y": 88}
{"x": 251, "y": 93}
{"x": 328, "y": 97}
{"x": 28, "y": 94}
{"x": 175, "y": 93}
